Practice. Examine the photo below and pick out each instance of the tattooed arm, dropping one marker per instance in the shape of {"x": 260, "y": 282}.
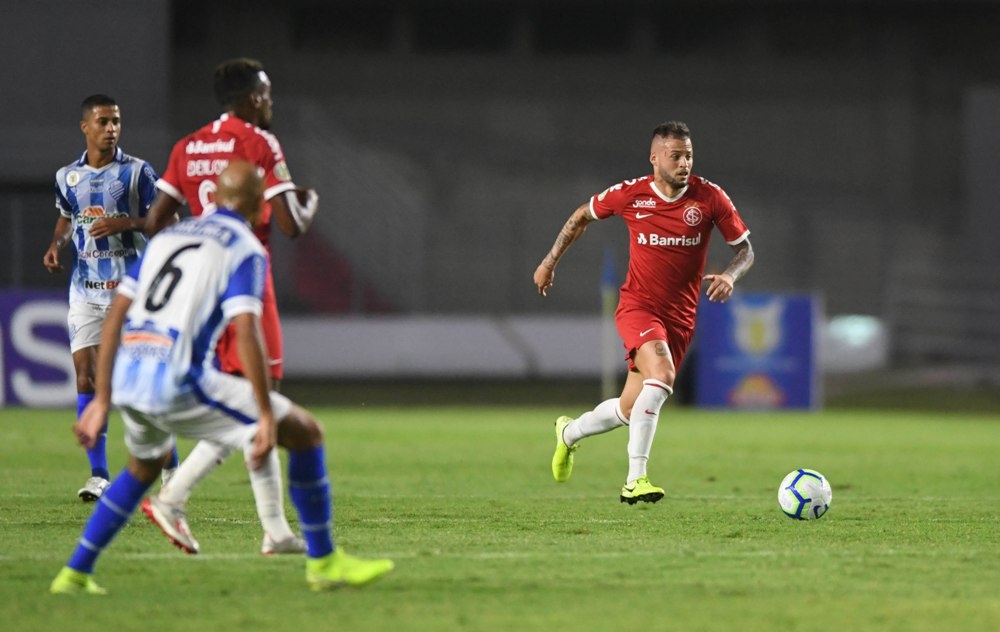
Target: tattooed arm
{"x": 720, "y": 286}
{"x": 571, "y": 231}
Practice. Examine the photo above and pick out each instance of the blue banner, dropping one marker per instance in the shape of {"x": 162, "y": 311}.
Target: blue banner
{"x": 758, "y": 351}
{"x": 35, "y": 360}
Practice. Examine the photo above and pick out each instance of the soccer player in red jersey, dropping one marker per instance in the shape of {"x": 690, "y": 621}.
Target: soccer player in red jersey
{"x": 670, "y": 215}
{"x": 243, "y": 90}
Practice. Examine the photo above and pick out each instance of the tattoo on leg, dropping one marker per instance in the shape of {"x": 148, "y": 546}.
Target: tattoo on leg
{"x": 661, "y": 349}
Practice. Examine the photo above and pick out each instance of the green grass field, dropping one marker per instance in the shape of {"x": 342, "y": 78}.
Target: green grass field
{"x": 463, "y": 500}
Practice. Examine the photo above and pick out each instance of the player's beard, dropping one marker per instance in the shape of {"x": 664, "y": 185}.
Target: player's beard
{"x": 677, "y": 182}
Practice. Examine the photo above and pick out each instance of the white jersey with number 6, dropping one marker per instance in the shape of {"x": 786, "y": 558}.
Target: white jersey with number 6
{"x": 193, "y": 278}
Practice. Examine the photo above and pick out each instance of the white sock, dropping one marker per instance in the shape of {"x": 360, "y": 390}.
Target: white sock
{"x": 204, "y": 458}
{"x": 642, "y": 425}
{"x": 605, "y": 416}
{"x": 267, "y": 493}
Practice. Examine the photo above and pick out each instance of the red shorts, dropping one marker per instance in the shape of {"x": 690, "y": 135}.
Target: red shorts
{"x": 229, "y": 359}
{"x": 638, "y": 326}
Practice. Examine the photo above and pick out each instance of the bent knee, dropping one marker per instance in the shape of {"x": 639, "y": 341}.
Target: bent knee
{"x": 146, "y": 471}
{"x": 667, "y": 375}
{"x": 300, "y": 430}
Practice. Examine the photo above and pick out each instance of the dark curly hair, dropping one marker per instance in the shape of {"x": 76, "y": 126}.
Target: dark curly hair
{"x": 235, "y": 79}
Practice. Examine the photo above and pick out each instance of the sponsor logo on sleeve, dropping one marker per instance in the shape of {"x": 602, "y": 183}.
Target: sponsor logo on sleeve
{"x": 281, "y": 172}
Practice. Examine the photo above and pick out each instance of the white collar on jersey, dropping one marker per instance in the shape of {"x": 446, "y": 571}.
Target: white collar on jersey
{"x": 656, "y": 190}
{"x": 119, "y": 157}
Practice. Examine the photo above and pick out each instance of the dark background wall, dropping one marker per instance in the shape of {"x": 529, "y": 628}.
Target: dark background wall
{"x": 449, "y": 140}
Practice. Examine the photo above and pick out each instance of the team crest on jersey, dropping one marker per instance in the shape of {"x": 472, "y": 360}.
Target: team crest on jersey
{"x": 116, "y": 189}
{"x": 73, "y": 178}
{"x": 692, "y": 216}
{"x": 281, "y": 172}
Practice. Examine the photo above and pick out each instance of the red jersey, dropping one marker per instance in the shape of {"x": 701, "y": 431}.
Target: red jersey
{"x": 668, "y": 241}
{"x": 198, "y": 159}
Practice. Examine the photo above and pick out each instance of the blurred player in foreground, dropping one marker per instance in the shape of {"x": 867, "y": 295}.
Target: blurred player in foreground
{"x": 243, "y": 89}
{"x": 156, "y": 365}
{"x": 670, "y": 215}
{"x": 102, "y": 200}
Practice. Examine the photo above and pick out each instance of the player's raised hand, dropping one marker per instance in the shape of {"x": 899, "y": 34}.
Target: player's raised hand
{"x": 720, "y": 287}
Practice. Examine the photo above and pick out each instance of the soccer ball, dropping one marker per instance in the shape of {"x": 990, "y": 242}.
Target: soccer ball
{"x": 805, "y": 495}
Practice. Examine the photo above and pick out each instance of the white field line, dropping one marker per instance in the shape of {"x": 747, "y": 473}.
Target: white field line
{"x": 469, "y": 555}
{"x": 679, "y": 553}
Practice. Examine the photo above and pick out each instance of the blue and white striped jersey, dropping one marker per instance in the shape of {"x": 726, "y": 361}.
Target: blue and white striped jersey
{"x": 193, "y": 278}
{"x": 124, "y": 187}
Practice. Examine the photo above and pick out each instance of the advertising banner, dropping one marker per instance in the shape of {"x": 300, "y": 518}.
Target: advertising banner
{"x": 35, "y": 361}
{"x": 758, "y": 351}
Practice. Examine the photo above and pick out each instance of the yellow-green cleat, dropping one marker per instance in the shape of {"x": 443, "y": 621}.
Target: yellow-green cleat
{"x": 71, "y": 582}
{"x": 641, "y": 489}
{"x": 340, "y": 569}
{"x": 562, "y": 460}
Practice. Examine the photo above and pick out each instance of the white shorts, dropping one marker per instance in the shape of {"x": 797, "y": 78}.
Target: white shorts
{"x": 85, "y": 321}
{"x": 225, "y": 413}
